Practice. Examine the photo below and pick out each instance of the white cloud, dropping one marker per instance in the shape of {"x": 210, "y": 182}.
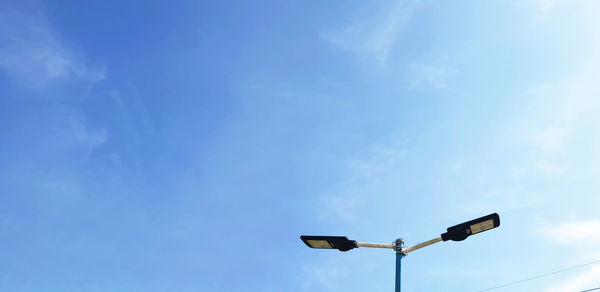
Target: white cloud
{"x": 571, "y": 102}
{"x": 375, "y": 34}
{"x": 84, "y": 136}
{"x": 550, "y": 168}
{"x": 380, "y": 160}
{"x": 343, "y": 206}
{"x": 583, "y": 281}
{"x": 502, "y": 198}
{"x": 518, "y": 173}
{"x": 548, "y": 5}
{"x": 565, "y": 123}
{"x": 336, "y": 273}
{"x": 553, "y": 138}
{"x": 575, "y": 105}
{"x": 70, "y": 138}
{"x": 350, "y": 196}
{"x": 574, "y": 233}
{"x": 34, "y": 55}
{"x": 327, "y": 277}
{"x": 429, "y": 75}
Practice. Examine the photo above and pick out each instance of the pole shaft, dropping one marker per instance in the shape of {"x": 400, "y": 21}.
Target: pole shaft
{"x": 398, "y": 271}
{"x": 399, "y": 247}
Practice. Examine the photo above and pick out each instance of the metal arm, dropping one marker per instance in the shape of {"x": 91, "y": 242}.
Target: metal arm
{"x": 423, "y": 244}
{"x": 375, "y": 245}
{"x": 391, "y": 246}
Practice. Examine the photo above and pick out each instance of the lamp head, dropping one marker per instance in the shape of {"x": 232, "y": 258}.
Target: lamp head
{"x": 462, "y": 231}
{"x": 340, "y": 243}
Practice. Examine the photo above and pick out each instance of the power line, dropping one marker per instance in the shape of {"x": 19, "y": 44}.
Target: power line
{"x": 598, "y": 288}
{"x": 543, "y": 275}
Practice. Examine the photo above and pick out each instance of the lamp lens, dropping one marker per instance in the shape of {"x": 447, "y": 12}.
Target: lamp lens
{"x": 319, "y": 243}
{"x": 483, "y": 226}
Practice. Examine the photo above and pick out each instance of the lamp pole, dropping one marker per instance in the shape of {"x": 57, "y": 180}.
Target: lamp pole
{"x": 457, "y": 232}
{"x": 400, "y": 252}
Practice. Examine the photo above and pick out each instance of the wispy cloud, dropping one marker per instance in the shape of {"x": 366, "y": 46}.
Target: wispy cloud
{"x": 552, "y": 139}
{"x": 56, "y": 139}
{"x": 77, "y": 134}
{"x": 571, "y": 103}
{"x": 550, "y": 168}
{"x": 328, "y": 277}
{"x": 574, "y": 233}
{"x": 428, "y": 75}
{"x": 501, "y": 198}
{"x": 548, "y": 5}
{"x": 562, "y": 119}
{"x": 341, "y": 206}
{"x": 335, "y": 273}
{"x": 374, "y": 35}
{"x": 33, "y": 54}
{"x": 583, "y": 281}
{"x": 351, "y": 195}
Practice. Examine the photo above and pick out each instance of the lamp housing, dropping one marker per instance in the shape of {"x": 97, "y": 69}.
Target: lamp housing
{"x": 462, "y": 231}
{"x": 340, "y": 243}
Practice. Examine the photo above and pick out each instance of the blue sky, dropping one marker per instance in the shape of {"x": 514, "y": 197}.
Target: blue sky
{"x": 186, "y": 146}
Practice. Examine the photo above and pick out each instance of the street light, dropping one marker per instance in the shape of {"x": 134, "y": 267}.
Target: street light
{"x": 462, "y": 231}
{"x": 340, "y": 243}
{"x": 457, "y": 232}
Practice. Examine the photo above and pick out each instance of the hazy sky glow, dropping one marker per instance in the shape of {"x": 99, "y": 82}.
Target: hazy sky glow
{"x": 154, "y": 146}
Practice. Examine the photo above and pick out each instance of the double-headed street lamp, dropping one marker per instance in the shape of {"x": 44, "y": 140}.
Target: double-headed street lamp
{"x": 455, "y": 233}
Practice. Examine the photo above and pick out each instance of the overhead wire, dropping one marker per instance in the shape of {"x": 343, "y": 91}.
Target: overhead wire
{"x": 541, "y": 276}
